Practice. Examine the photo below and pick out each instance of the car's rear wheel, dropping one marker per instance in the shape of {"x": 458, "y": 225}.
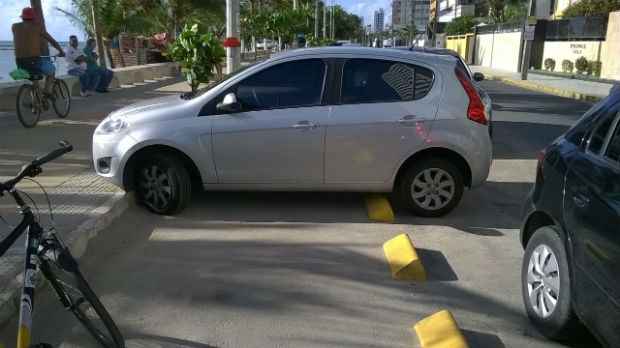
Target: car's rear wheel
{"x": 545, "y": 281}
{"x": 432, "y": 187}
{"x": 162, "y": 184}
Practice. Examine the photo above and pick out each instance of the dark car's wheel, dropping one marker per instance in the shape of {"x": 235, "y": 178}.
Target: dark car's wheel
{"x": 545, "y": 281}
{"x": 162, "y": 184}
{"x": 431, "y": 188}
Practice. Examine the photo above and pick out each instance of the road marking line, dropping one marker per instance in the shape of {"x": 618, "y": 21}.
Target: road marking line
{"x": 440, "y": 330}
{"x": 379, "y": 208}
{"x": 403, "y": 259}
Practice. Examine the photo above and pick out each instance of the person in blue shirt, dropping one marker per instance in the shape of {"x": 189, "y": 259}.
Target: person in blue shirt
{"x": 103, "y": 76}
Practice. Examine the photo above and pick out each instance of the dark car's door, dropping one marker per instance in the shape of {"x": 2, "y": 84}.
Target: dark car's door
{"x": 592, "y": 215}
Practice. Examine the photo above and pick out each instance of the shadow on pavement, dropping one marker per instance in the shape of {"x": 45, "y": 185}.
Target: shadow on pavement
{"x": 481, "y": 339}
{"x": 436, "y": 265}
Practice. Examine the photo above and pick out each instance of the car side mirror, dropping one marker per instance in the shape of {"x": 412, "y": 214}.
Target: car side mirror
{"x": 229, "y": 104}
{"x": 478, "y": 76}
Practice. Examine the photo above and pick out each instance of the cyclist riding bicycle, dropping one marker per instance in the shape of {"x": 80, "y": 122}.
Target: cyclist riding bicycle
{"x": 29, "y": 39}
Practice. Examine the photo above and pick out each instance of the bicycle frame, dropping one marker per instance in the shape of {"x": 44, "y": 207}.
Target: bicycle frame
{"x": 33, "y": 236}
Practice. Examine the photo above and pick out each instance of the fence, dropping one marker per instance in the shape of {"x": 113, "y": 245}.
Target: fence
{"x": 463, "y": 45}
{"x": 577, "y": 28}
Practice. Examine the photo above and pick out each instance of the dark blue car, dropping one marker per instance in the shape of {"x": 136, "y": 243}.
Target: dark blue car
{"x": 571, "y": 230}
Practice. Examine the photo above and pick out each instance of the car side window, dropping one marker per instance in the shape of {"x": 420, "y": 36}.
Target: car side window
{"x": 286, "y": 85}
{"x": 613, "y": 149}
{"x": 380, "y": 81}
{"x": 597, "y": 140}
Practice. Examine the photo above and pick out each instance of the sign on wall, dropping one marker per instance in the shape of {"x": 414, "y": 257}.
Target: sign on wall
{"x": 571, "y": 50}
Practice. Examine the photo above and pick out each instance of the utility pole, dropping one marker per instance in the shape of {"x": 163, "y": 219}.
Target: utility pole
{"x": 38, "y": 9}
{"x": 98, "y": 36}
{"x": 233, "y": 54}
{"x": 527, "y": 50}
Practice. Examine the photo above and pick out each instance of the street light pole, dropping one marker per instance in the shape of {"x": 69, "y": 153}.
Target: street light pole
{"x": 233, "y": 54}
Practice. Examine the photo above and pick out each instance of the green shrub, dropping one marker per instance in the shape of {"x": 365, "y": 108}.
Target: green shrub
{"x": 588, "y": 8}
{"x": 549, "y": 64}
{"x": 461, "y": 25}
{"x": 198, "y": 54}
{"x": 594, "y": 68}
{"x": 567, "y": 66}
{"x": 581, "y": 64}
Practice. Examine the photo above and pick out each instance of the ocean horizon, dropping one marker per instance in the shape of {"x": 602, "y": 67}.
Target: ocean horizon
{"x": 7, "y": 60}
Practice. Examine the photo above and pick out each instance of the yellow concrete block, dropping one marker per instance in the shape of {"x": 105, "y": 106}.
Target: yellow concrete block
{"x": 403, "y": 259}
{"x": 440, "y": 330}
{"x": 379, "y": 208}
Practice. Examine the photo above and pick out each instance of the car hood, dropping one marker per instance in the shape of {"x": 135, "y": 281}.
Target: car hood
{"x": 146, "y": 106}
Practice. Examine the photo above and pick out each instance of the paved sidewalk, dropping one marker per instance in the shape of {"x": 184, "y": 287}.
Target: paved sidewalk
{"x": 563, "y": 87}
{"x": 83, "y": 204}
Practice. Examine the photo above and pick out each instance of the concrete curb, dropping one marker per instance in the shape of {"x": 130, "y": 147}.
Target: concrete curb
{"x": 547, "y": 89}
{"x": 77, "y": 240}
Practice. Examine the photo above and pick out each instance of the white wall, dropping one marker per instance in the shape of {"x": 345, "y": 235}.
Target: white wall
{"x": 498, "y": 51}
{"x": 571, "y": 50}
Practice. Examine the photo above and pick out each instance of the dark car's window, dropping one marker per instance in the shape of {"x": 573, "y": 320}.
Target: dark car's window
{"x": 613, "y": 149}
{"x": 377, "y": 81}
{"x": 291, "y": 84}
{"x": 597, "y": 140}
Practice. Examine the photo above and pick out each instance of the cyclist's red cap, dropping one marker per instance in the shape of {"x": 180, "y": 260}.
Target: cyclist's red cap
{"x": 28, "y": 13}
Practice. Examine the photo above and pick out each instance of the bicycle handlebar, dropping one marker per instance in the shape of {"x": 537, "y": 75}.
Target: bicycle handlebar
{"x": 34, "y": 168}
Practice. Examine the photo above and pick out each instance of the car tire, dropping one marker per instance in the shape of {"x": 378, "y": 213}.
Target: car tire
{"x": 162, "y": 184}
{"x": 431, "y": 188}
{"x": 545, "y": 252}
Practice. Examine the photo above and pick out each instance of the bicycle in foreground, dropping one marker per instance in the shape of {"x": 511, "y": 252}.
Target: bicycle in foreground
{"x": 46, "y": 252}
{"x": 31, "y": 101}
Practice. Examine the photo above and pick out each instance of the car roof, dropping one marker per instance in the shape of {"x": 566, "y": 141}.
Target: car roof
{"x": 426, "y": 57}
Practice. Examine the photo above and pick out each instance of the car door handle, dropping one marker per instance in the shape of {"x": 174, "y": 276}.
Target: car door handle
{"x": 407, "y": 119}
{"x": 581, "y": 200}
{"x": 305, "y": 125}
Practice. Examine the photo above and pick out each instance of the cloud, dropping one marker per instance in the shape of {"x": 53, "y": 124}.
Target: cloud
{"x": 58, "y": 25}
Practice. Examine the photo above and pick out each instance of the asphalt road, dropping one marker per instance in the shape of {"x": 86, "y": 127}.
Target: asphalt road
{"x": 307, "y": 270}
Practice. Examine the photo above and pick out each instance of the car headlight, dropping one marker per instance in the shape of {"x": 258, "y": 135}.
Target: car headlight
{"x": 112, "y": 124}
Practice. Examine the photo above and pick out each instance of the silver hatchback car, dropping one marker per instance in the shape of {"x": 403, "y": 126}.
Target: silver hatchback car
{"x": 321, "y": 119}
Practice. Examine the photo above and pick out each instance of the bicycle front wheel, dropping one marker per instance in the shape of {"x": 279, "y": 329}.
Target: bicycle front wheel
{"x": 62, "y": 98}
{"x": 28, "y": 106}
{"x": 77, "y": 296}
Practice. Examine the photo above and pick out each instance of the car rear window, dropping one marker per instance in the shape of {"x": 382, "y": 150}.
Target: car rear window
{"x": 379, "y": 81}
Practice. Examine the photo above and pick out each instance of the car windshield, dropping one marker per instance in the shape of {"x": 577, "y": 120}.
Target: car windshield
{"x": 210, "y": 86}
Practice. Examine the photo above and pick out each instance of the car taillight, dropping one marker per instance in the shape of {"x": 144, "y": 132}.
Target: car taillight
{"x": 475, "y": 109}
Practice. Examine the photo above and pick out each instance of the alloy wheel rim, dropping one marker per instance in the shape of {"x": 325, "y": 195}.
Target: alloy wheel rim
{"x": 433, "y": 188}
{"x": 156, "y": 187}
{"x": 543, "y": 281}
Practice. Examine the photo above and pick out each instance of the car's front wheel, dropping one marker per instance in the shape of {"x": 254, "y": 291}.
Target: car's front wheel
{"x": 431, "y": 187}
{"x": 162, "y": 184}
{"x": 545, "y": 281}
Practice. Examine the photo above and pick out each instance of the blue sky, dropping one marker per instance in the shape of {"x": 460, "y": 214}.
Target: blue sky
{"x": 60, "y": 27}
{"x": 57, "y": 24}
{"x": 366, "y": 8}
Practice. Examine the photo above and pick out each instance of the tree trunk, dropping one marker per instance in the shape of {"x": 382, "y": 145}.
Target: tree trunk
{"x": 98, "y": 35}
{"x": 36, "y": 5}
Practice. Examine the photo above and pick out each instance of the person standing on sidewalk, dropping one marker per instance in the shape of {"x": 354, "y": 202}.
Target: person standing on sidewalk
{"x": 76, "y": 65}
{"x": 104, "y": 75}
{"x": 28, "y": 37}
